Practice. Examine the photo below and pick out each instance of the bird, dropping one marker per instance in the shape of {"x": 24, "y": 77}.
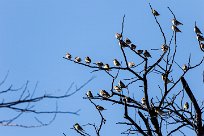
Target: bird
{"x": 131, "y": 64}
{"x": 128, "y": 99}
{"x": 202, "y": 46}
{"x": 147, "y": 54}
{"x": 121, "y": 84}
{"x": 100, "y": 108}
{"x": 155, "y": 13}
{"x": 164, "y": 78}
{"x": 133, "y": 47}
{"x": 116, "y": 63}
{"x": 127, "y": 41}
{"x": 197, "y": 30}
{"x": 68, "y": 56}
{"x": 105, "y": 94}
{"x": 186, "y": 106}
{"x": 185, "y": 67}
{"x": 89, "y": 94}
{"x": 99, "y": 64}
{"x": 88, "y": 60}
{"x": 122, "y": 43}
{"x": 117, "y": 88}
{"x": 176, "y": 22}
{"x": 175, "y": 28}
{"x": 164, "y": 48}
{"x": 139, "y": 51}
{"x": 78, "y": 127}
{"x": 118, "y": 36}
{"x": 77, "y": 59}
{"x": 143, "y": 101}
{"x": 107, "y": 67}
{"x": 159, "y": 111}
{"x": 200, "y": 37}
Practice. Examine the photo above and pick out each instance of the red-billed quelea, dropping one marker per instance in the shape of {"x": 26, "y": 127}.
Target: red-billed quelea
{"x": 139, "y": 51}
{"x": 116, "y": 63}
{"x": 88, "y": 60}
{"x": 131, "y": 64}
{"x": 68, "y": 56}
{"x": 147, "y": 54}
{"x": 176, "y": 22}
{"x": 77, "y": 59}
{"x": 175, "y": 28}
{"x": 133, "y": 47}
{"x": 78, "y": 127}
{"x": 118, "y": 36}
{"x": 200, "y": 37}
{"x": 122, "y": 43}
{"x": 164, "y": 48}
{"x": 121, "y": 84}
{"x": 117, "y": 88}
{"x": 100, "y": 108}
{"x": 105, "y": 94}
{"x": 155, "y": 13}
{"x": 185, "y": 67}
{"x": 127, "y": 41}
{"x": 106, "y": 67}
{"x": 89, "y": 94}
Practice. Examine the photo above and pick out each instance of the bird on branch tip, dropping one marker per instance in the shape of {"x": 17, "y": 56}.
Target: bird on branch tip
{"x": 185, "y": 67}
{"x": 88, "y": 60}
{"x": 77, "y": 59}
{"x": 155, "y": 13}
{"x": 118, "y": 36}
{"x": 127, "y": 41}
{"x": 68, "y": 56}
{"x": 78, "y": 127}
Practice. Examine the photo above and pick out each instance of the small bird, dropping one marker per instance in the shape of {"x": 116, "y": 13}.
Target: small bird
{"x": 89, "y": 94}
{"x": 117, "y": 88}
{"x": 175, "y": 28}
{"x": 164, "y": 48}
{"x": 100, "y": 108}
{"x": 159, "y": 111}
{"x": 133, "y": 47}
{"x": 176, "y": 22}
{"x": 77, "y": 59}
{"x": 202, "y": 46}
{"x": 186, "y": 106}
{"x": 197, "y": 30}
{"x": 116, "y": 63}
{"x": 146, "y": 54}
{"x": 155, "y": 13}
{"x": 122, "y": 43}
{"x": 99, "y": 64}
{"x": 139, "y": 51}
{"x": 121, "y": 84}
{"x": 107, "y": 67}
{"x": 78, "y": 127}
{"x": 118, "y": 36}
{"x": 87, "y": 60}
{"x": 185, "y": 67}
{"x": 127, "y": 41}
{"x": 164, "y": 78}
{"x": 200, "y": 37}
{"x": 143, "y": 101}
{"x": 105, "y": 94}
{"x": 128, "y": 99}
{"x": 131, "y": 64}
{"x": 68, "y": 56}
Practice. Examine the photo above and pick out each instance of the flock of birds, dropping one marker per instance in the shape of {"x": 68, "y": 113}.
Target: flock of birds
{"x": 127, "y": 43}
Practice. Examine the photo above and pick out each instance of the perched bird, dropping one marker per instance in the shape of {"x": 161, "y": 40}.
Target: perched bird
{"x": 159, "y": 111}
{"x": 107, "y": 67}
{"x": 200, "y": 37}
{"x": 164, "y": 78}
{"x": 99, "y": 64}
{"x": 87, "y": 60}
{"x": 164, "y": 48}
{"x": 197, "y": 30}
{"x": 131, "y": 64}
{"x": 121, "y": 84}
{"x": 116, "y": 63}
{"x": 77, "y": 59}
{"x": 139, "y": 51}
{"x": 128, "y": 99}
{"x": 105, "y": 94}
{"x": 122, "y": 43}
{"x": 78, "y": 127}
{"x": 127, "y": 41}
{"x": 68, "y": 56}
{"x": 155, "y": 13}
{"x": 176, "y": 22}
{"x": 146, "y": 54}
{"x": 202, "y": 46}
{"x": 175, "y": 28}
{"x": 89, "y": 94}
{"x": 117, "y": 88}
{"x": 118, "y": 36}
{"x": 100, "y": 108}
{"x": 186, "y": 106}
{"x": 143, "y": 101}
{"x": 133, "y": 47}
{"x": 184, "y": 67}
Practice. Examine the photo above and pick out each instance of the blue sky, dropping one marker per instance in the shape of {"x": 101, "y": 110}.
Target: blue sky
{"x": 36, "y": 34}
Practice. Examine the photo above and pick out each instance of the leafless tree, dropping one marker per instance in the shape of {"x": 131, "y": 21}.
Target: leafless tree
{"x": 165, "y": 113}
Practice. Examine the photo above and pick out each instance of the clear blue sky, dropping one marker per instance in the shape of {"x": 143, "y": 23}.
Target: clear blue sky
{"x": 35, "y": 35}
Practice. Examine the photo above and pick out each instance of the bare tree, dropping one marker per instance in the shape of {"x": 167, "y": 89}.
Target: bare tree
{"x": 165, "y": 113}
{"x": 25, "y": 102}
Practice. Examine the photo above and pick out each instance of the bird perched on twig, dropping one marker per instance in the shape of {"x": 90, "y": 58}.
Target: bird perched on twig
{"x": 197, "y": 30}
{"x": 155, "y": 13}
{"x": 128, "y": 99}
{"x": 78, "y": 127}
{"x": 89, "y": 94}
{"x": 175, "y": 28}
{"x": 133, "y": 47}
{"x": 118, "y": 36}
{"x": 106, "y": 67}
{"x": 99, "y": 64}
{"x": 139, "y": 51}
{"x": 202, "y": 46}
{"x": 77, "y": 59}
{"x": 164, "y": 78}
{"x": 147, "y": 54}
{"x": 68, "y": 56}
{"x": 131, "y": 64}
{"x": 121, "y": 84}
{"x": 127, "y": 41}
{"x": 186, "y": 106}
{"x": 164, "y": 48}
{"x": 122, "y": 43}
{"x": 159, "y": 111}
{"x": 88, "y": 60}
{"x": 185, "y": 67}
{"x": 117, "y": 88}
{"x": 116, "y": 63}
{"x": 200, "y": 37}
{"x": 100, "y": 108}
{"x": 176, "y": 22}
{"x": 143, "y": 101}
{"x": 105, "y": 94}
